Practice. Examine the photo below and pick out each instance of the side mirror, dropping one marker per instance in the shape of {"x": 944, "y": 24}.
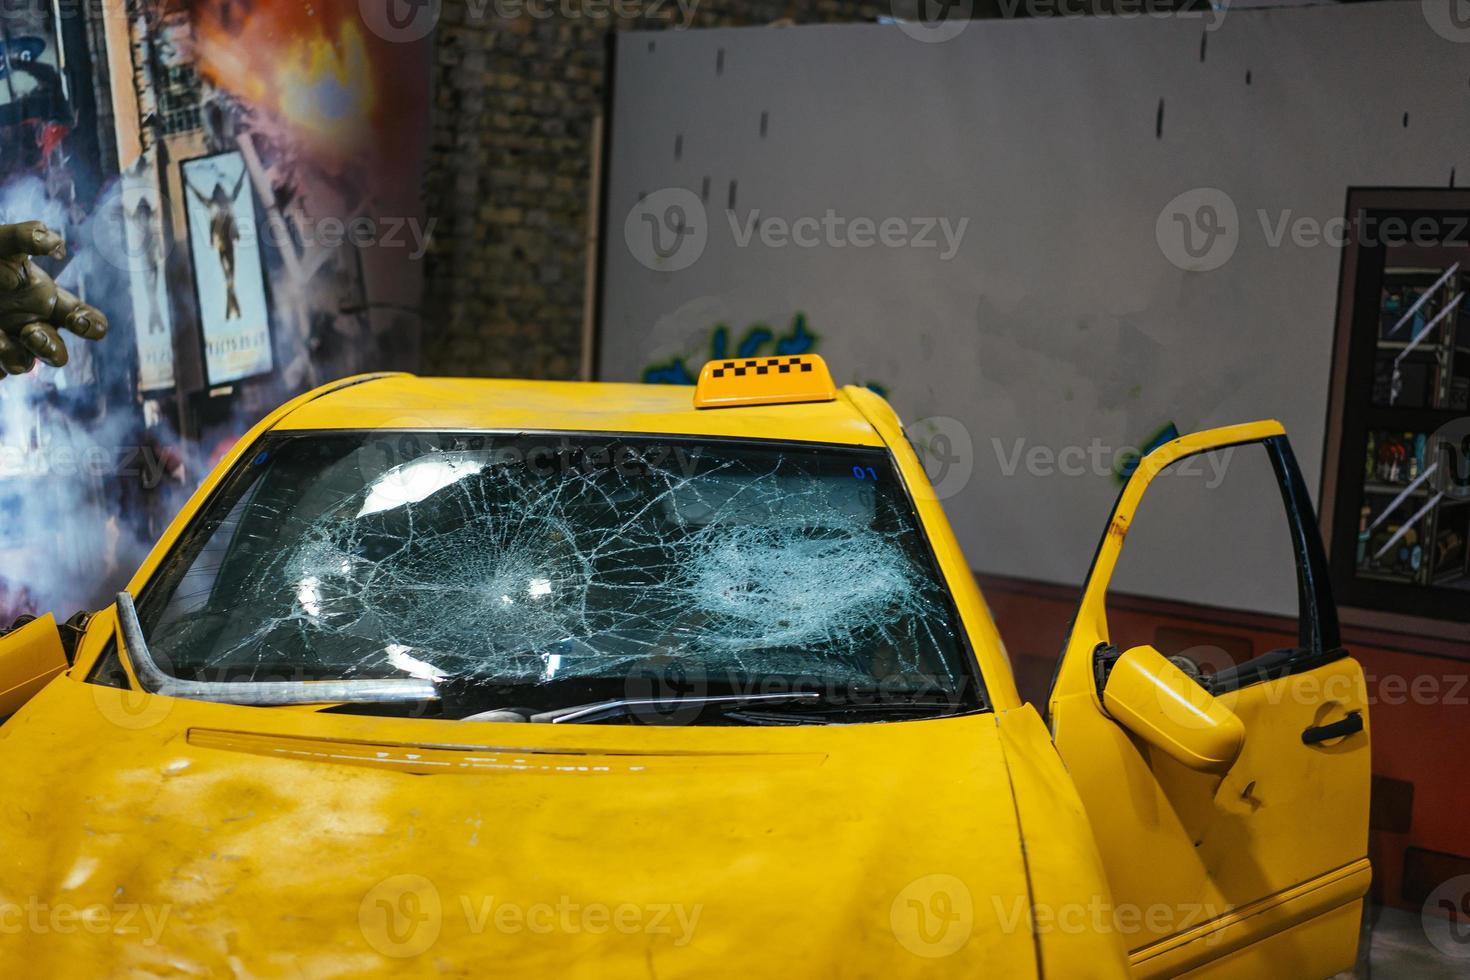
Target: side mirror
{"x": 30, "y": 656}
{"x": 1165, "y": 707}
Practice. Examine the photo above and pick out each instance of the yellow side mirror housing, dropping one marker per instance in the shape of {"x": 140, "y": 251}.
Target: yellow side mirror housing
{"x": 1164, "y": 706}
{"x": 29, "y": 658}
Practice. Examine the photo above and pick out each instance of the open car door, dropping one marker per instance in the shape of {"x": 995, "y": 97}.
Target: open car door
{"x": 1230, "y": 808}
{"x": 30, "y": 656}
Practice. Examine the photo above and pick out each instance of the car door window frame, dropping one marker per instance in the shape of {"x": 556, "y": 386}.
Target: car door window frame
{"x": 1319, "y": 639}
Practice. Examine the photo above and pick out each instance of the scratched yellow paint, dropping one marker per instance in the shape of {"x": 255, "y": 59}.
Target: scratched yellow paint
{"x": 150, "y": 837}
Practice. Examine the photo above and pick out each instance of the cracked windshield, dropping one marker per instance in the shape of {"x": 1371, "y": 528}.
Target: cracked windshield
{"x": 776, "y": 583}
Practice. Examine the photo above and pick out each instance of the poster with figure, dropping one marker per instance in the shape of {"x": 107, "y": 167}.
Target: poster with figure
{"x": 229, "y": 281}
{"x": 90, "y": 473}
{"x": 152, "y": 322}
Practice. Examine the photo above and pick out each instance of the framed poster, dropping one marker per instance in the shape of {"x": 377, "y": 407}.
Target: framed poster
{"x": 142, "y": 229}
{"x": 229, "y": 281}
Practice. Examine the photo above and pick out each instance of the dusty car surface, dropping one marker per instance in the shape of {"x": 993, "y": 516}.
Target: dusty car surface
{"x": 477, "y": 678}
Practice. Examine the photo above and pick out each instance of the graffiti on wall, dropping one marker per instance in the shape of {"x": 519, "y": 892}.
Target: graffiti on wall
{"x": 1128, "y": 460}
{"x": 756, "y": 340}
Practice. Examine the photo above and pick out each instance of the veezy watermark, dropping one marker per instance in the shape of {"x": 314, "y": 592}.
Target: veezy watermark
{"x": 139, "y": 923}
{"x": 678, "y": 14}
{"x": 945, "y": 450}
{"x": 147, "y": 464}
{"x": 678, "y": 690}
{"x": 1213, "y": 14}
{"x": 669, "y": 229}
{"x": 361, "y": 231}
{"x": 404, "y": 915}
{"x": 1097, "y": 458}
{"x": 406, "y": 21}
{"x": 1341, "y": 693}
{"x": 1450, "y": 19}
{"x": 932, "y": 21}
{"x": 1446, "y": 918}
{"x": 934, "y": 916}
{"x": 1200, "y": 229}
{"x": 1100, "y": 916}
{"x": 832, "y": 230}
{"x": 936, "y": 21}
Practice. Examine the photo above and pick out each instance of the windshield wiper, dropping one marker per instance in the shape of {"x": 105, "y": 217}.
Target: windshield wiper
{"x": 825, "y": 711}
{"x": 257, "y": 694}
{"x": 603, "y": 710}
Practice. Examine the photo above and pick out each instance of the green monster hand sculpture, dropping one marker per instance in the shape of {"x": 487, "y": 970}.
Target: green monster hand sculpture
{"x": 32, "y": 306}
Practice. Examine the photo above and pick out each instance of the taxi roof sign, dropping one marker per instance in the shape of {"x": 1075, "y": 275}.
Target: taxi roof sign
{"x": 782, "y": 380}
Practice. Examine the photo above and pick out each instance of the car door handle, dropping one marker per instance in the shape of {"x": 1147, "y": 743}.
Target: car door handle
{"x": 1350, "y": 725}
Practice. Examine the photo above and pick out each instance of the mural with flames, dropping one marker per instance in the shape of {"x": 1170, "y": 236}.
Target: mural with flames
{"x": 238, "y": 184}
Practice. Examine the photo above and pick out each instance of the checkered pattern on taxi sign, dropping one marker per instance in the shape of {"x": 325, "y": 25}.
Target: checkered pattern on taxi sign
{"x": 781, "y": 365}
{"x": 779, "y": 380}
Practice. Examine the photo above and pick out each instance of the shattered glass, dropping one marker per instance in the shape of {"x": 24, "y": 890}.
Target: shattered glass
{"x": 553, "y": 567}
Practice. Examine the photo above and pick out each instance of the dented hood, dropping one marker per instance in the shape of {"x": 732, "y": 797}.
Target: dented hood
{"x": 147, "y": 836}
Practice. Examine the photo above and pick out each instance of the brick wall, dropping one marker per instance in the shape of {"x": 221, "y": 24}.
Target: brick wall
{"x": 510, "y": 168}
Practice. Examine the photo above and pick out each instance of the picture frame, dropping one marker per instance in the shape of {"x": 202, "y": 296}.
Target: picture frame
{"x": 231, "y": 290}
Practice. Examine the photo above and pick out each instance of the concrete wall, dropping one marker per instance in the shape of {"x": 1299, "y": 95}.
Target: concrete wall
{"x": 1070, "y": 314}
{"x": 511, "y": 166}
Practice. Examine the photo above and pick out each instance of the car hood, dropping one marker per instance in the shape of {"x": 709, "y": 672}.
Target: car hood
{"x": 150, "y": 836}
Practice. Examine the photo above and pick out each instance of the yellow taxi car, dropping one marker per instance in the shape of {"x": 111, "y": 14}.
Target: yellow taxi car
{"x": 473, "y": 678}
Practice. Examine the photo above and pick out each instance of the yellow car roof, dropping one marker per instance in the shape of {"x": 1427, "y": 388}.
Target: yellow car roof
{"x": 403, "y": 401}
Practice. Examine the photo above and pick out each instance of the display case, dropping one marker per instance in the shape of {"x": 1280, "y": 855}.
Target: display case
{"x": 1400, "y": 531}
